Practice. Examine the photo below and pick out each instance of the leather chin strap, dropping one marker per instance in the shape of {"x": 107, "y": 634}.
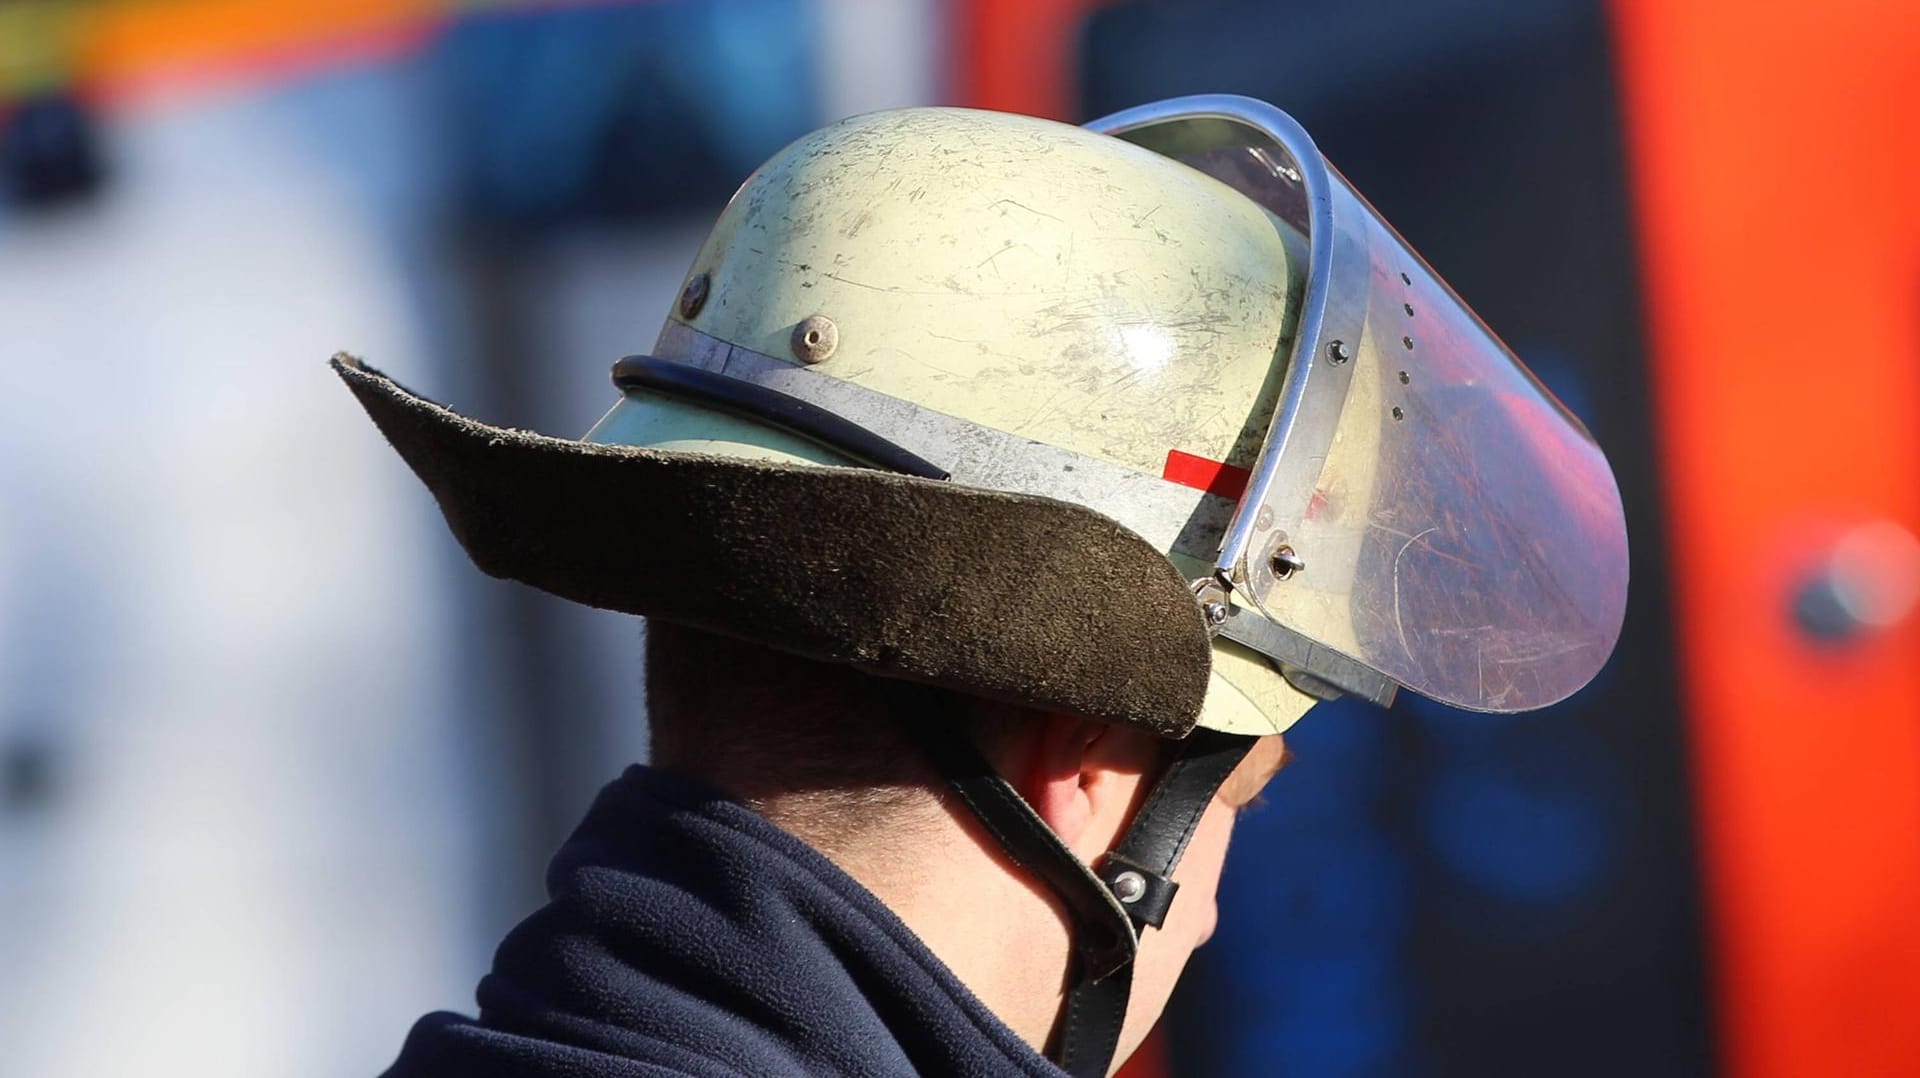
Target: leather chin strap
{"x": 1133, "y": 888}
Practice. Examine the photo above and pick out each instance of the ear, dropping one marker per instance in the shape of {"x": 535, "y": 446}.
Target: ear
{"x": 1083, "y": 779}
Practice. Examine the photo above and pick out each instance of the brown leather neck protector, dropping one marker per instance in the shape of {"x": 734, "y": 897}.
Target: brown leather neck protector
{"x": 1006, "y": 596}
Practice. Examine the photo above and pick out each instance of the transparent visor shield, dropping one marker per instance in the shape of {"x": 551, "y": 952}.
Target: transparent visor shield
{"x": 1422, "y": 505}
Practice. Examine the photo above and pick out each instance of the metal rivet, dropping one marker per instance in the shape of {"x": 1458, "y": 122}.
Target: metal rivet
{"x": 815, "y": 338}
{"x": 1128, "y": 887}
{"x": 1286, "y": 563}
{"x": 1216, "y": 613}
{"x": 1337, "y": 351}
{"x": 694, "y": 296}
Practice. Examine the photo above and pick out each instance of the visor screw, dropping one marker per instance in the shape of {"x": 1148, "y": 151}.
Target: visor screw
{"x": 1216, "y": 613}
{"x": 1286, "y": 562}
{"x": 694, "y": 296}
{"x": 1129, "y": 886}
{"x": 1337, "y": 351}
{"x": 815, "y": 338}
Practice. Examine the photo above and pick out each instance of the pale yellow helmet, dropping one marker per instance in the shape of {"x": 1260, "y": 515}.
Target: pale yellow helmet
{"x": 1026, "y": 276}
{"x": 1052, "y": 288}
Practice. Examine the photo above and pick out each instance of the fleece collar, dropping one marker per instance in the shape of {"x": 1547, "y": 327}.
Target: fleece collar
{"x": 687, "y": 935}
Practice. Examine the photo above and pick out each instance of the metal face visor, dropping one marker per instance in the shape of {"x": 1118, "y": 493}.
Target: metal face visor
{"x": 1422, "y": 506}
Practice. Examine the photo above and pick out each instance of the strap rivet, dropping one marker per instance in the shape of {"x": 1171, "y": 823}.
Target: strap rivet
{"x": 1129, "y": 886}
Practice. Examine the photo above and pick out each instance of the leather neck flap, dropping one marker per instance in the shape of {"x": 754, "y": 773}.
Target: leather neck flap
{"x": 1005, "y": 596}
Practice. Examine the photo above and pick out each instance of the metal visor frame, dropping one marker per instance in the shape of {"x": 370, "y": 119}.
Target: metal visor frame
{"x": 1421, "y": 505}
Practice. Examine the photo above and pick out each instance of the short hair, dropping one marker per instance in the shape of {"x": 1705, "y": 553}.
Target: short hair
{"x": 819, "y": 747}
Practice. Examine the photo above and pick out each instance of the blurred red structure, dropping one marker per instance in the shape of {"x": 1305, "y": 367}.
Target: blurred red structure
{"x": 1774, "y": 161}
{"x": 1016, "y": 55}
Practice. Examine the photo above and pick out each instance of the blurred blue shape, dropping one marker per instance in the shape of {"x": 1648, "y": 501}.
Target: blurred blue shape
{"x": 1327, "y": 1016}
{"x": 1345, "y": 1014}
{"x": 1539, "y": 822}
{"x": 49, "y": 152}
{"x": 1452, "y": 726}
{"x": 1311, "y": 891}
{"x": 1306, "y": 974}
{"x": 623, "y": 108}
{"x": 1338, "y": 767}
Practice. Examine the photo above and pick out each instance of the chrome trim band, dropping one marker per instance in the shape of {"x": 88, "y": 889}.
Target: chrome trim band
{"x": 1169, "y": 516}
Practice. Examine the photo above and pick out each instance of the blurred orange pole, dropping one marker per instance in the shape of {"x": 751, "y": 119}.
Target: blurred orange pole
{"x": 121, "y": 51}
{"x": 1774, "y": 161}
{"x": 130, "y": 50}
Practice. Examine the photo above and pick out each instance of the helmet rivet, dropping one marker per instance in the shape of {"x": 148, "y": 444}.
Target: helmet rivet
{"x": 694, "y": 296}
{"x": 1216, "y": 613}
{"x": 1129, "y": 886}
{"x": 1337, "y": 351}
{"x": 815, "y": 338}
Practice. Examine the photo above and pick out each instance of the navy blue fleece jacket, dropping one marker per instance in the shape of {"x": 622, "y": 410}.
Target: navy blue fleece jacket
{"x": 688, "y": 936}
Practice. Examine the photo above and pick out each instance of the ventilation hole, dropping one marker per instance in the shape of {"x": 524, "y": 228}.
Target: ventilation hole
{"x": 1408, "y": 341}
{"x": 1405, "y": 378}
{"x": 1404, "y": 279}
{"x": 1398, "y": 412}
{"x": 1407, "y": 307}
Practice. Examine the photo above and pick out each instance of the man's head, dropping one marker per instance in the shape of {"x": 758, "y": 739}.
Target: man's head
{"x": 821, "y": 750}
{"x": 1155, "y": 423}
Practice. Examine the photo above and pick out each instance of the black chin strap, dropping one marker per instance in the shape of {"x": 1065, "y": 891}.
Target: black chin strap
{"x": 1133, "y": 889}
{"x": 1138, "y": 872}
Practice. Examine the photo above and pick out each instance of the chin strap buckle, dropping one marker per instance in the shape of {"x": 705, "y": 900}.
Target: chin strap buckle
{"x": 1146, "y": 895}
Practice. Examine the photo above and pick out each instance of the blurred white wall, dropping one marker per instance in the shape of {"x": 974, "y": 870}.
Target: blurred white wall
{"x": 879, "y": 54}
{"x": 265, "y": 788}
{"x": 221, "y": 623}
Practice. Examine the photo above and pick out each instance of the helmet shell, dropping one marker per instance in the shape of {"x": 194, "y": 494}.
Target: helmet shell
{"x": 1061, "y": 285}
{"x": 1023, "y": 274}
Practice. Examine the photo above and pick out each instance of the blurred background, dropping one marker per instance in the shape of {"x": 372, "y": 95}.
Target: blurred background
{"x": 278, "y": 768}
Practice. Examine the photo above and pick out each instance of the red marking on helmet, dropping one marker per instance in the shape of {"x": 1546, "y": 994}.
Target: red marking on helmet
{"x": 1212, "y": 476}
{"x": 1316, "y": 504}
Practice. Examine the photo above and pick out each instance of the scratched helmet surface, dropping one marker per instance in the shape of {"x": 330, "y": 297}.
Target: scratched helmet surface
{"x": 1031, "y": 305}
{"x": 1149, "y": 318}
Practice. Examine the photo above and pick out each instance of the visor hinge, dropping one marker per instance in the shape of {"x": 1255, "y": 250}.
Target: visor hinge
{"x": 1309, "y": 666}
